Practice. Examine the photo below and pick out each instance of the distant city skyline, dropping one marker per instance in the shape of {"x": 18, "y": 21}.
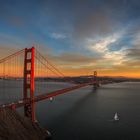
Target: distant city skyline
{"x": 79, "y": 36}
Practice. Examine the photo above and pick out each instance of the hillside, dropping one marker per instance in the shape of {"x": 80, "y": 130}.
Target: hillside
{"x": 15, "y": 127}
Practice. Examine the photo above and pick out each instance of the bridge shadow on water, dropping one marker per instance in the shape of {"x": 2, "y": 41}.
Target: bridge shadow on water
{"x": 85, "y": 115}
{"x": 80, "y": 103}
{"x": 72, "y": 123}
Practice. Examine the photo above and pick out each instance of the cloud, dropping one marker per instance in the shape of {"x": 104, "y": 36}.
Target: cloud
{"x": 93, "y": 25}
{"x": 133, "y": 54}
{"x": 73, "y": 63}
{"x": 102, "y": 45}
{"x": 102, "y": 48}
{"x": 116, "y": 57}
{"x": 107, "y": 32}
{"x": 73, "y": 59}
{"x": 58, "y": 35}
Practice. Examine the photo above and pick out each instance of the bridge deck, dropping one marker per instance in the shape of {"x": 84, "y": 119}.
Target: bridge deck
{"x": 44, "y": 96}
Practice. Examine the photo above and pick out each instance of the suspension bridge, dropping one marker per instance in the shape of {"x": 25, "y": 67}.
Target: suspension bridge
{"x": 25, "y": 78}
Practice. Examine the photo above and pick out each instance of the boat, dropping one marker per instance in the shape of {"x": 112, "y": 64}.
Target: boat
{"x": 116, "y": 118}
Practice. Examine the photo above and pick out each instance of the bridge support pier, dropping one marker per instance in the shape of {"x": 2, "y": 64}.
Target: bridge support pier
{"x": 28, "y": 91}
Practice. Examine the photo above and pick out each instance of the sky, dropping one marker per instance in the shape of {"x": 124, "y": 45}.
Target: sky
{"x": 78, "y": 36}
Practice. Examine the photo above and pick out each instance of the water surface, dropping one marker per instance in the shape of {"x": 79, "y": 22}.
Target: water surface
{"x": 85, "y": 114}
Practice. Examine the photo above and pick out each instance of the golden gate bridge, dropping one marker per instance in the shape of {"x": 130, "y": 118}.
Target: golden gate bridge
{"x": 25, "y": 77}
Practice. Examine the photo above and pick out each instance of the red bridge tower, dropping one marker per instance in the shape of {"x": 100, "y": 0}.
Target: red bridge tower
{"x": 28, "y": 90}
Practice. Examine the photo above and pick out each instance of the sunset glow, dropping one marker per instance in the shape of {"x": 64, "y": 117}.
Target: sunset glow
{"x": 78, "y": 37}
